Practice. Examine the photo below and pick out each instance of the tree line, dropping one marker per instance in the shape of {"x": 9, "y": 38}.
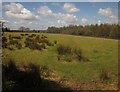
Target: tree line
{"x": 102, "y": 30}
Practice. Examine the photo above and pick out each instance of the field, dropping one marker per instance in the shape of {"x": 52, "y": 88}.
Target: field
{"x": 102, "y": 54}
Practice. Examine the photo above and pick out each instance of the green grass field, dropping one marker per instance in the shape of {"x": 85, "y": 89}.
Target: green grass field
{"x": 102, "y": 53}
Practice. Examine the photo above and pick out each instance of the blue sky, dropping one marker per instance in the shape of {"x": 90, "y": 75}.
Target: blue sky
{"x": 41, "y": 15}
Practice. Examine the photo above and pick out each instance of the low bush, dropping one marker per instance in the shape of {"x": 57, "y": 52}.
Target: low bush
{"x": 19, "y": 46}
{"x": 32, "y": 45}
{"x": 33, "y": 35}
{"x": 104, "y": 74}
{"x": 63, "y": 50}
{"x": 68, "y": 58}
{"x": 45, "y": 71}
{"x": 68, "y": 54}
{"x": 22, "y": 34}
{"x": 78, "y": 53}
{"x": 58, "y": 57}
{"x": 4, "y": 45}
{"x": 4, "y": 42}
{"x": 55, "y": 42}
{"x": 13, "y": 42}
{"x": 16, "y": 37}
{"x": 4, "y": 39}
{"x": 43, "y": 46}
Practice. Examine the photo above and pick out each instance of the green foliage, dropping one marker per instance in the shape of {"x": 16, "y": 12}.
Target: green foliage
{"x": 55, "y": 42}
{"x": 103, "y": 30}
{"x": 63, "y": 50}
{"x": 100, "y": 51}
{"x": 38, "y": 42}
{"x": 69, "y": 53}
{"x": 68, "y": 58}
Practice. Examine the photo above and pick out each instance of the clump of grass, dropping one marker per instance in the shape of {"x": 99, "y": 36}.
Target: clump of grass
{"x": 58, "y": 57}
{"x": 78, "y": 53}
{"x": 104, "y": 74}
{"x": 68, "y": 58}
{"x": 45, "y": 71}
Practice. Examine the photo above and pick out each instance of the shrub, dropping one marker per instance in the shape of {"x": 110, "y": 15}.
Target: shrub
{"x": 16, "y": 37}
{"x": 19, "y": 45}
{"x": 22, "y": 34}
{"x": 4, "y": 39}
{"x": 4, "y": 42}
{"x": 33, "y": 35}
{"x": 63, "y": 50}
{"x": 26, "y": 34}
{"x": 58, "y": 57}
{"x": 13, "y": 42}
{"x": 104, "y": 74}
{"x": 69, "y": 53}
{"x": 43, "y": 37}
{"x": 45, "y": 71}
{"x": 78, "y": 54}
{"x": 55, "y": 42}
{"x": 32, "y": 45}
{"x": 68, "y": 58}
{"x": 43, "y": 46}
{"x": 10, "y": 48}
{"x": 4, "y": 45}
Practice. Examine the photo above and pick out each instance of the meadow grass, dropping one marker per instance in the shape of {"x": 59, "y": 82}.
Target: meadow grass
{"x": 101, "y": 53}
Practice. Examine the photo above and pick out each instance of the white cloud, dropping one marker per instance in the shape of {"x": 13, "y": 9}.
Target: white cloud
{"x": 84, "y": 20}
{"x": 67, "y": 18}
{"x": 99, "y": 22}
{"x": 105, "y": 11}
{"x": 45, "y": 10}
{"x": 17, "y": 10}
{"x": 71, "y": 8}
{"x": 61, "y": 22}
{"x": 112, "y": 17}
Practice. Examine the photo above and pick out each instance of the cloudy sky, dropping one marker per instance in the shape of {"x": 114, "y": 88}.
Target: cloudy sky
{"x": 38, "y": 15}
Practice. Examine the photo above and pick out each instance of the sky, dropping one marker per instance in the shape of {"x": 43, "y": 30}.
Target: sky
{"x": 41, "y": 15}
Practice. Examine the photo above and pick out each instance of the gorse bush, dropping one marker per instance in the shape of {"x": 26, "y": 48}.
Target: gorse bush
{"x": 68, "y": 54}
{"x": 19, "y": 46}
{"x": 33, "y": 41}
{"x": 63, "y": 50}
{"x": 16, "y": 37}
{"x": 78, "y": 53}
{"x": 55, "y": 42}
{"x": 37, "y": 42}
{"x": 4, "y": 39}
{"x": 4, "y": 42}
{"x": 104, "y": 74}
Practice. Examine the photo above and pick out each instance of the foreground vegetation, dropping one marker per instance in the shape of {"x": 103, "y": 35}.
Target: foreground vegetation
{"x": 98, "y": 68}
